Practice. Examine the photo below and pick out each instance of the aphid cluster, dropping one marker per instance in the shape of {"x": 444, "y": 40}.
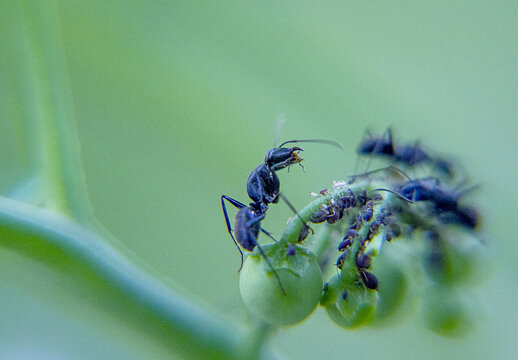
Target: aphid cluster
{"x": 430, "y": 205}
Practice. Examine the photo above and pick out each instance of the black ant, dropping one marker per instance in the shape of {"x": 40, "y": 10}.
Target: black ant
{"x": 263, "y": 187}
{"x": 445, "y": 201}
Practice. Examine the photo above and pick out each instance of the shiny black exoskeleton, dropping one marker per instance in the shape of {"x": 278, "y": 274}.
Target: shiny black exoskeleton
{"x": 409, "y": 155}
{"x": 445, "y": 201}
{"x": 263, "y": 187}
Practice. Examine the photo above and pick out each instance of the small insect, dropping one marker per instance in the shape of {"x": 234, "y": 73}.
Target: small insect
{"x": 318, "y": 217}
{"x": 363, "y": 261}
{"x": 409, "y": 155}
{"x": 292, "y": 250}
{"x": 367, "y": 211}
{"x": 369, "y": 280}
{"x": 263, "y": 188}
{"x": 341, "y": 260}
{"x": 344, "y": 294}
{"x": 347, "y": 240}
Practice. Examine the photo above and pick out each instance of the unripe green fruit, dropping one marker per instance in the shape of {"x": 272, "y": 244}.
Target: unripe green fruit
{"x": 393, "y": 287}
{"x": 445, "y": 313}
{"x": 301, "y": 279}
{"x": 356, "y": 309}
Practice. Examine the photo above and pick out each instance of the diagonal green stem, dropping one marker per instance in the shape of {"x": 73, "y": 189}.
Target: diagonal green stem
{"x": 137, "y": 296}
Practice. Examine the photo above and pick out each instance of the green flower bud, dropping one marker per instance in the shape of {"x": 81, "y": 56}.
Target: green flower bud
{"x": 299, "y": 275}
{"x": 349, "y": 305}
{"x": 445, "y": 313}
{"x": 393, "y": 286}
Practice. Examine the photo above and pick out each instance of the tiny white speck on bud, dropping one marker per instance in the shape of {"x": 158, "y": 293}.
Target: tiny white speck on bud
{"x": 289, "y": 220}
{"x": 338, "y": 184}
{"x": 314, "y": 194}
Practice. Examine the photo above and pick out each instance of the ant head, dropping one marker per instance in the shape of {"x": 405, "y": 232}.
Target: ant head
{"x": 280, "y": 157}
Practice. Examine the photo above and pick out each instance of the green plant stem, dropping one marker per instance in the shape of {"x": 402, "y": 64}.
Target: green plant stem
{"x": 55, "y": 140}
{"x": 291, "y": 234}
{"x": 87, "y": 257}
{"x": 187, "y": 328}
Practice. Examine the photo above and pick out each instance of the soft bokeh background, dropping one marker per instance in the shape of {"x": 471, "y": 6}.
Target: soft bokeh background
{"x": 177, "y": 103}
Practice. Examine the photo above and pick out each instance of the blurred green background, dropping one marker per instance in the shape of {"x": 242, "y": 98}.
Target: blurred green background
{"x": 177, "y": 103}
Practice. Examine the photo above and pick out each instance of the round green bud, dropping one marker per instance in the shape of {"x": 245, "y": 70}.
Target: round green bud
{"x": 392, "y": 290}
{"x": 445, "y": 313}
{"x": 349, "y": 305}
{"x": 299, "y": 275}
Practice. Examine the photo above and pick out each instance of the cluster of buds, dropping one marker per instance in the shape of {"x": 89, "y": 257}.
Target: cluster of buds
{"x": 393, "y": 235}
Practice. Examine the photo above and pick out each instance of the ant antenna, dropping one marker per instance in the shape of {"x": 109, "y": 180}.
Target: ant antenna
{"x": 290, "y": 205}
{"x": 390, "y": 167}
{"x": 280, "y": 122}
{"x": 271, "y": 267}
{"x": 395, "y": 193}
{"x": 318, "y": 141}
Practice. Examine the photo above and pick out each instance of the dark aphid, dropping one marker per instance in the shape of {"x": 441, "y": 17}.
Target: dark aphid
{"x": 348, "y": 200}
{"x": 318, "y": 217}
{"x": 375, "y": 226}
{"x": 361, "y": 198}
{"x": 334, "y": 216}
{"x": 346, "y": 242}
{"x": 357, "y": 225}
{"x": 352, "y": 233}
{"x": 305, "y": 232}
{"x": 369, "y": 280}
{"x": 341, "y": 260}
{"x": 363, "y": 261}
{"x": 377, "y": 197}
{"x": 323, "y": 191}
{"x": 292, "y": 250}
{"x": 367, "y": 211}
{"x": 359, "y": 219}
{"x": 344, "y": 294}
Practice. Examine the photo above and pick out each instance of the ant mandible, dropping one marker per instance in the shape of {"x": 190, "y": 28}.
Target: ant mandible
{"x": 263, "y": 187}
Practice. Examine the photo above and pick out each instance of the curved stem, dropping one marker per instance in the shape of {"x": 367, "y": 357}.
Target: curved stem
{"x": 187, "y": 328}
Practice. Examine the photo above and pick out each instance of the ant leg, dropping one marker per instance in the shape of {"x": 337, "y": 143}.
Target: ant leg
{"x": 268, "y": 234}
{"x": 229, "y": 228}
{"x": 306, "y": 226}
{"x": 234, "y": 202}
{"x": 250, "y": 223}
{"x": 390, "y": 167}
{"x": 379, "y": 145}
{"x": 271, "y": 267}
